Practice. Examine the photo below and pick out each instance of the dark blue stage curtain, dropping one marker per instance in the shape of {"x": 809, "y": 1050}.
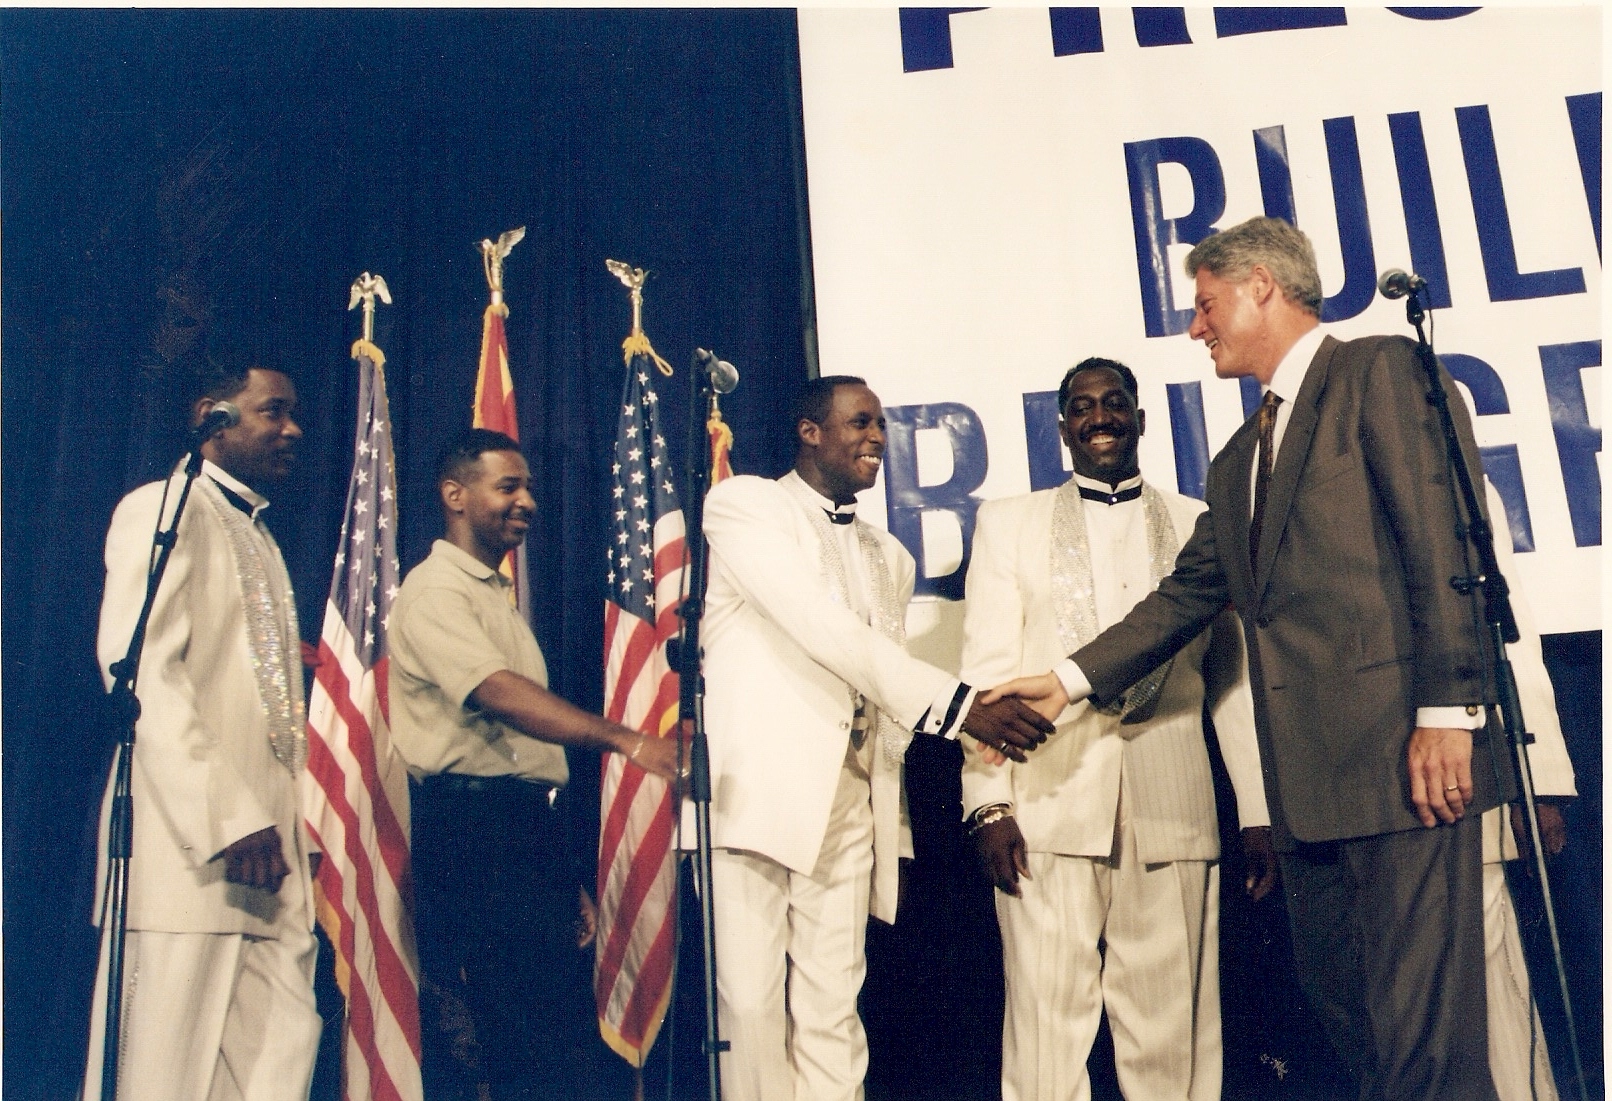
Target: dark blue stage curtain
{"x": 182, "y": 179}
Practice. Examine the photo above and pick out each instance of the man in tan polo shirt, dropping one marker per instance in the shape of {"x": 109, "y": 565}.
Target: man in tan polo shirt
{"x": 495, "y": 875}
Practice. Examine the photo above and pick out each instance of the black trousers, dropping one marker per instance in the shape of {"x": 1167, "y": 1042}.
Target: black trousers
{"x": 506, "y": 999}
{"x": 1388, "y": 936}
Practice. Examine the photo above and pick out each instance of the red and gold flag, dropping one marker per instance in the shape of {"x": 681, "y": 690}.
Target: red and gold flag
{"x": 495, "y": 409}
{"x": 495, "y": 387}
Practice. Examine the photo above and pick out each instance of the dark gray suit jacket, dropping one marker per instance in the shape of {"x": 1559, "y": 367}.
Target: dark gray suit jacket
{"x": 1349, "y": 615}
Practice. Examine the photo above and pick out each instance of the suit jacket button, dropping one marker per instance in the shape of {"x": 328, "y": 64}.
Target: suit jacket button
{"x": 1262, "y": 622}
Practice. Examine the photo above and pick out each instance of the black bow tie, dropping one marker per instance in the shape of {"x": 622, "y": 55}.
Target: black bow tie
{"x": 839, "y": 517}
{"x": 1110, "y": 498}
{"x": 234, "y": 498}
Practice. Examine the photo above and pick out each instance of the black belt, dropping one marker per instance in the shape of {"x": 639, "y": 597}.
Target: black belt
{"x": 457, "y": 783}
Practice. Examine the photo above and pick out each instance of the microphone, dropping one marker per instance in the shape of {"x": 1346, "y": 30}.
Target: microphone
{"x": 1397, "y": 283}
{"x": 724, "y": 375}
{"x": 222, "y": 415}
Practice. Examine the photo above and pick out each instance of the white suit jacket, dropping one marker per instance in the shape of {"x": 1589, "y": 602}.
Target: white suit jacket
{"x": 1066, "y": 795}
{"x": 205, "y": 774}
{"x": 780, "y": 659}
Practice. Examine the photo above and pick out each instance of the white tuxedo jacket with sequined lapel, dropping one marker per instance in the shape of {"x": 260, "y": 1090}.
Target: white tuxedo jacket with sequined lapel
{"x": 1066, "y": 795}
{"x": 205, "y": 773}
{"x": 781, "y": 659}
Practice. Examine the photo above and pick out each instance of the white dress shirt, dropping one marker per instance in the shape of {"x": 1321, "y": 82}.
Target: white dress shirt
{"x": 1117, "y": 537}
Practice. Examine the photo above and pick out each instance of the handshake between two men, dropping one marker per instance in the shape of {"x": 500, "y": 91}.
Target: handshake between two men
{"x": 1011, "y": 720}
{"x": 1014, "y": 718}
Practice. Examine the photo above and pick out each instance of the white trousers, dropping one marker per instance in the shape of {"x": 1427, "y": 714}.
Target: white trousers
{"x": 211, "y": 1017}
{"x": 1158, "y": 976}
{"x": 1510, "y": 1010}
{"x": 790, "y": 962}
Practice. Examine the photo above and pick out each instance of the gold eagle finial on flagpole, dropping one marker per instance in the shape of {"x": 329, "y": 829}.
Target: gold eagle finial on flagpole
{"x": 492, "y": 259}
{"x": 367, "y": 288}
{"x": 636, "y": 343}
{"x": 633, "y": 279}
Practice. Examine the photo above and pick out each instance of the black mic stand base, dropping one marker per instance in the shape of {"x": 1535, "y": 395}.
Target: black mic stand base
{"x": 692, "y": 705}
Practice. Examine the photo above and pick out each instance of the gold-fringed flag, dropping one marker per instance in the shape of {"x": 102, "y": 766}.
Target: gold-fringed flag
{"x": 637, "y": 938}
{"x": 495, "y": 387}
{"x": 721, "y": 444}
{"x": 356, "y": 788}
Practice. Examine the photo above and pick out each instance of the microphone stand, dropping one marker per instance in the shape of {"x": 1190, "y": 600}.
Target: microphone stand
{"x": 1502, "y": 624}
{"x": 124, "y": 711}
{"x": 692, "y": 699}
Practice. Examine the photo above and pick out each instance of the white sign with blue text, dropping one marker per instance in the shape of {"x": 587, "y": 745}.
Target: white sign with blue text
{"x": 998, "y": 193}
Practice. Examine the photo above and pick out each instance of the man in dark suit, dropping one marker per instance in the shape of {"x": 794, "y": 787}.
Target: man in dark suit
{"x": 1333, "y": 530}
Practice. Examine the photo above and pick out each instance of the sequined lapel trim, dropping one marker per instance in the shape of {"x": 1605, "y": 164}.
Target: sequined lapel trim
{"x": 1074, "y": 595}
{"x": 886, "y": 618}
{"x": 273, "y": 638}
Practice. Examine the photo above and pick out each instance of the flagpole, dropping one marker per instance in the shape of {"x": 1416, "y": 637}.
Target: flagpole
{"x": 690, "y": 729}
{"x": 366, "y": 288}
{"x": 638, "y": 942}
{"x": 355, "y": 797}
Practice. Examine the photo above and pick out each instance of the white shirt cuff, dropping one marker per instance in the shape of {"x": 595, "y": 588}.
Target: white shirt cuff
{"x": 947, "y": 712}
{"x": 1451, "y": 718}
{"x": 1075, "y": 684}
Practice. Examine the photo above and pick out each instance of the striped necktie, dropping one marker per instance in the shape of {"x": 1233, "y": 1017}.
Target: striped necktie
{"x": 1262, "y": 477}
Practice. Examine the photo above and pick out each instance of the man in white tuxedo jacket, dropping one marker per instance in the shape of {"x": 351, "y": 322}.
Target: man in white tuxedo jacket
{"x": 218, "y": 969}
{"x": 1108, "y": 833}
{"x": 811, "y": 701}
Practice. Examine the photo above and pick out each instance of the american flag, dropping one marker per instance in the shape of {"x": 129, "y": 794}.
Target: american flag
{"x": 495, "y": 409}
{"x": 637, "y": 871}
{"x": 356, "y": 795}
